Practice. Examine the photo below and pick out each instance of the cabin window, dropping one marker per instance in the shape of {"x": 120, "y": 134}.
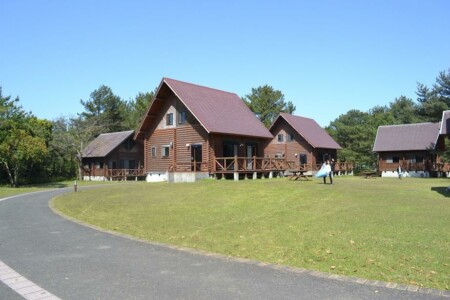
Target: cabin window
{"x": 181, "y": 117}
{"x": 419, "y": 159}
{"x": 129, "y": 144}
{"x": 280, "y": 138}
{"x": 392, "y": 159}
{"x": 153, "y": 151}
{"x": 169, "y": 119}
{"x": 290, "y": 137}
{"x": 279, "y": 155}
{"x": 165, "y": 151}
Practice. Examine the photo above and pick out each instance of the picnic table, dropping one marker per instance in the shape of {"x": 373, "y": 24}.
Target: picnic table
{"x": 298, "y": 175}
{"x": 369, "y": 174}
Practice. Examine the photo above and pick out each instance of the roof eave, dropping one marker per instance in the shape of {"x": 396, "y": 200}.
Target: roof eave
{"x": 243, "y": 135}
{"x": 139, "y": 131}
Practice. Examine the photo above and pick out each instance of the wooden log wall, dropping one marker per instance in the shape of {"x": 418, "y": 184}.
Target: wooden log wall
{"x": 298, "y": 145}
{"x": 159, "y": 138}
{"x": 191, "y": 135}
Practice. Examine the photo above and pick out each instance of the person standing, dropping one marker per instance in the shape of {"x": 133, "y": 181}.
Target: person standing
{"x": 332, "y": 170}
{"x": 399, "y": 171}
{"x": 327, "y": 172}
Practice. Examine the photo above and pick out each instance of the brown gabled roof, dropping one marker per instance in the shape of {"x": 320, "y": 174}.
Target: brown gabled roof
{"x": 102, "y": 145}
{"x": 217, "y": 111}
{"x": 310, "y": 130}
{"x": 406, "y": 137}
{"x": 445, "y": 123}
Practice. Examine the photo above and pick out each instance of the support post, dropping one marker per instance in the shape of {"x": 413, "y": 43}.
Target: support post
{"x": 236, "y": 176}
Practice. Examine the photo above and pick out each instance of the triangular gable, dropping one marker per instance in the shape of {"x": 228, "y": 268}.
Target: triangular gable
{"x": 445, "y": 123}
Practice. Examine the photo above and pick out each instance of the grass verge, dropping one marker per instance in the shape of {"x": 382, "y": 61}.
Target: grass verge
{"x": 382, "y": 229}
{"x": 7, "y": 191}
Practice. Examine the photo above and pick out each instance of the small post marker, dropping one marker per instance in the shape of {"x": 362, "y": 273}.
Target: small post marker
{"x": 75, "y": 186}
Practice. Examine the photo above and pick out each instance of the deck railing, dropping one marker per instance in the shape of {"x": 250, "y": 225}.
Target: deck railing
{"x": 113, "y": 173}
{"x": 251, "y": 164}
{"x": 437, "y": 167}
{"x": 245, "y": 164}
{"x": 188, "y": 166}
{"x": 441, "y": 167}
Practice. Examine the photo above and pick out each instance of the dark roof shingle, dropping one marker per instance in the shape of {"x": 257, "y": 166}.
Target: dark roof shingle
{"x": 311, "y": 131}
{"x": 217, "y": 111}
{"x": 102, "y": 145}
{"x": 406, "y": 137}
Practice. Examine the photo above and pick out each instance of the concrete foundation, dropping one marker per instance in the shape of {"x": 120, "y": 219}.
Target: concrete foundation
{"x": 156, "y": 177}
{"x": 416, "y": 174}
{"x": 177, "y": 177}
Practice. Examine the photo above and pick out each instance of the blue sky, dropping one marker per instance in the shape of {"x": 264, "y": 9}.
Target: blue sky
{"x": 325, "y": 56}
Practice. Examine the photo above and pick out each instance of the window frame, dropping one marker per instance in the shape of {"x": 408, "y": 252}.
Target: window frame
{"x": 169, "y": 119}
{"x": 164, "y": 149}
{"x": 280, "y": 138}
{"x": 392, "y": 159}
{"x": 182, "y": 117}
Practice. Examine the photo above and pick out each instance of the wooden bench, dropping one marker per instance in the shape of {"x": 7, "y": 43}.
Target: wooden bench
{"x": 369, "y": 174}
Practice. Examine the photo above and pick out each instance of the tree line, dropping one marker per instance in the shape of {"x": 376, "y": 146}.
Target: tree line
{"x": 34, "y": 150}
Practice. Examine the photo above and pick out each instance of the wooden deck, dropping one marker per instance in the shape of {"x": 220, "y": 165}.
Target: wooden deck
{"x": 262, "y": 166}
{"x": 113, "y": 174}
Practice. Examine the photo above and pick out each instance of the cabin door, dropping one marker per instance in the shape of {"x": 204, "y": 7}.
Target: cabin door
{"x": 251, "y": 151}
{"x": 303, "y": 160}
{"x": 196, "y": 157}
{"x": 230, "y": 150}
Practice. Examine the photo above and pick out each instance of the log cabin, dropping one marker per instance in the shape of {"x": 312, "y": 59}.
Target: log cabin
{"x": 444, "y": 130}
{"x": 302, "y": 141}
{"x": 412, "y": 146}
{"x": 444, "y": 133}
{"x": 111, "y": 156}
{"x": 191, "y": 131}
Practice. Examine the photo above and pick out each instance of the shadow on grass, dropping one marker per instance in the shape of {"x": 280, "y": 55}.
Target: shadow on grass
{"x": 441, "y": 190}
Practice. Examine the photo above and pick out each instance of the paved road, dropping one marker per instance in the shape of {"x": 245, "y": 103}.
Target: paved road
{"x": 72, "y": 261}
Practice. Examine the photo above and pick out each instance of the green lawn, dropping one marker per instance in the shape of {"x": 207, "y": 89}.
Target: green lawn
{"x": 383, "y": 229}
{"x": 7, "y": 191}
